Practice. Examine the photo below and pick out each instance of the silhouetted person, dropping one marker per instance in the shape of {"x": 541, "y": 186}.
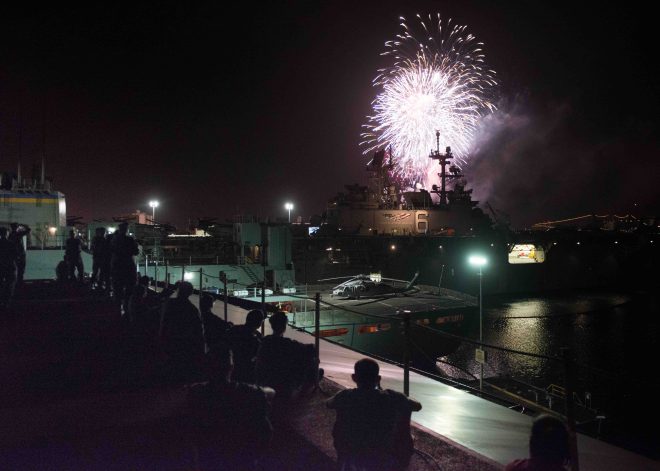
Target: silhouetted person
{"x": 215, "y": 329}
{"x": 18, "y": 232}
{"x": 72, "y": 251}
{"x": 123, "y": 268}
{"x": 244, "y": 340}
{"x": 548, "y": 447}
{"x": 372, "y": 429}
{"x": 230, "y": 420}
{"x": 100, "y": 260}
{"x": 142, "y": 315}
{"x": 7, "y": 268}
{"x": 286, "y": 365}
{"x": 62, "y": 271}
{"x": 180, "y": 335}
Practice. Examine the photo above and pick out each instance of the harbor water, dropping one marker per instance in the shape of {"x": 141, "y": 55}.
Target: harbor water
{"x": 613, "y": 338}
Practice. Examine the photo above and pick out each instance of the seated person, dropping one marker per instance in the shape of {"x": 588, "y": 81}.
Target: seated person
{"x": 244, "y": 340}
{"x": 548, "y": 447}
{"x": 181, "y": 337}
{"x": 215, "y": 328}
{"x": 143, "y": 315}
{"x": 372, "y": 429}
{"x": 286, "y": 365}
{"x": 62, "y": 270}
{"x": 229, "y": 419}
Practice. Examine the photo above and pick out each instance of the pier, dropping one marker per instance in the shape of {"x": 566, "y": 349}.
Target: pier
{"x": 58, "y": 406}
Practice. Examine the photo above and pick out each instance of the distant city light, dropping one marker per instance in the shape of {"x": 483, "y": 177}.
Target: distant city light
{"x": 392, "y": 247}
{"x": 52, "y": 230}
{"x": 188, "y": 276}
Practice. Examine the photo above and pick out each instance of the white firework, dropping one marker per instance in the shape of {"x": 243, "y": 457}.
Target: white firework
{"x": 438, "y": 81}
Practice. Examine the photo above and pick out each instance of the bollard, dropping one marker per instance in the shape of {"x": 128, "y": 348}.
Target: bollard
{"x": 406, "y": 353}
{"x": 317, "y": 322}
{"x": 569, "y": 371}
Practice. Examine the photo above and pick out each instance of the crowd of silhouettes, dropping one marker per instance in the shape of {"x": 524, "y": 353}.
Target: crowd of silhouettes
{"x": 113, "y": 264}
{"x": 235, "y": 373}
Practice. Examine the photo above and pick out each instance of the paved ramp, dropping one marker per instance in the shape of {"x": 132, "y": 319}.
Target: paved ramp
{"x": 486, "y": 428}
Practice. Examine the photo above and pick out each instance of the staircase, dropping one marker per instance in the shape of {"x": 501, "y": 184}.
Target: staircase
{"x": 251, "y": 274}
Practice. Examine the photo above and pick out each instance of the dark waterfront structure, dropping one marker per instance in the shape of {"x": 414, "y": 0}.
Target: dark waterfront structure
{"x": 573, "y": 259}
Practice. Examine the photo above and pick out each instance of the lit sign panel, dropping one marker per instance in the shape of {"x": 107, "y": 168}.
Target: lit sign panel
{"x": 526, "y": 253}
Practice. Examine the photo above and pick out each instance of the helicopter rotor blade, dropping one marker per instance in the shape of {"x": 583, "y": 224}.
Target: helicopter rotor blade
{"x": 340, "y": 278}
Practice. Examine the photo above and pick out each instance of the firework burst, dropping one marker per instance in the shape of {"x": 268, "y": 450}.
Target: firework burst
{"x": 438, "y": 81}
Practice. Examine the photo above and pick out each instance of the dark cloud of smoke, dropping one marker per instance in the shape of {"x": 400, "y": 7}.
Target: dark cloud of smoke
{"x": 545, "y": 162}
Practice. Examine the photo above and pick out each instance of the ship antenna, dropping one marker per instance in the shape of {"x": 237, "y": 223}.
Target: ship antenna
{"x": 443, "y": 160}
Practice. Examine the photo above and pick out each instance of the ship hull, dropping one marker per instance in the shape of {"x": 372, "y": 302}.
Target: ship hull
{"x": 438, "y": 322}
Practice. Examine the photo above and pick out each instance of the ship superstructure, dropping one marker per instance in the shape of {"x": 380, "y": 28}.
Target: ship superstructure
{"x": 382, "y": 208}
{"x": 33, "y": 203}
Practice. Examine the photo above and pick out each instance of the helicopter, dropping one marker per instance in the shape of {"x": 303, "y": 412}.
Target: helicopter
{"x": 370, "y": 286}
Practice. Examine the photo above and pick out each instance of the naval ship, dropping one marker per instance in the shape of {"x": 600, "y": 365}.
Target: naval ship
{"x": 379, "y": 227}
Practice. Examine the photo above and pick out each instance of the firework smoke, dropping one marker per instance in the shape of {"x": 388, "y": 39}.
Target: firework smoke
{"x": 438, "y": 81}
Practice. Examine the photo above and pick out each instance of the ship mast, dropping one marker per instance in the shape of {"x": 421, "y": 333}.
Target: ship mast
{"x": 443, "y": 160}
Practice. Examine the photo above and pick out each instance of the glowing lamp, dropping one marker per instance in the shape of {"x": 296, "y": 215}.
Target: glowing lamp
{"x": 477, "y": 260}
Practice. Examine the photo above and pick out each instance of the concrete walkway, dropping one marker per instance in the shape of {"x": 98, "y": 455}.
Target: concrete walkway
{"x": 493, "y": 431}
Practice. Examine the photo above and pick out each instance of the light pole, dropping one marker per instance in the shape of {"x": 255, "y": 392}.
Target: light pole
{"x": 288, "y": 207}
{"x": 153, "y": 204}
{"x": 480, "y": 261}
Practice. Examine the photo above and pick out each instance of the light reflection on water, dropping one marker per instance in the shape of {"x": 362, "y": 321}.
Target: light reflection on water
{"x": 612, "y": 333}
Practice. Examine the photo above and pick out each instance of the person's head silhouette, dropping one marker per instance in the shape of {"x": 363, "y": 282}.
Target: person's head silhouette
{"x": 185, "y": 290}
{"x": 549, "y": 440}
{"x": 254, "y": 319}
{"x": 366, "y": 373}
{"x": 278, "y": 322}
{"x": 206, "y": 302}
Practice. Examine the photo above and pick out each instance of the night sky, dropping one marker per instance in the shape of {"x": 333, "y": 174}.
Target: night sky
{"x": 218, "y": 111}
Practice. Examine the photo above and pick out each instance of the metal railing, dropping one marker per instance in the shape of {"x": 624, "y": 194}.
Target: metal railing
{"x": 343, "y": 326}
{"x": 566, "y": 396}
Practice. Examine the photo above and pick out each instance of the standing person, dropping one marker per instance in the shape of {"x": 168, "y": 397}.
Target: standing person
{"x": 100, "y": 258}
{"x": 16, "y": 236}
{"x": 548, "y": 447}
{"x": 372, "y": 429}
{"x": 72, "y": 251}
{"x": 107, "y": 262}
{"x": 123, "y": 268}
{"x": 7, "y": 268}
